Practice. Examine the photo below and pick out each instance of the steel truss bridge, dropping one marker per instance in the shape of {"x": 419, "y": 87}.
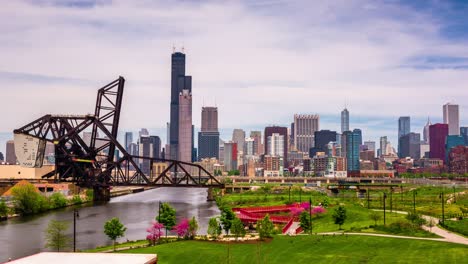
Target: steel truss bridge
{"x": 93, "y": 163}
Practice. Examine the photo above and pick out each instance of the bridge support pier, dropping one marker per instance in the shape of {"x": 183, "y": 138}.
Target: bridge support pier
{"x": 101, "y": 194}
{"x": 210, "y": 196}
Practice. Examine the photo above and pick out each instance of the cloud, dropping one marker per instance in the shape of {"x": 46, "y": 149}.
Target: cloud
{"x": 264, "y": 59}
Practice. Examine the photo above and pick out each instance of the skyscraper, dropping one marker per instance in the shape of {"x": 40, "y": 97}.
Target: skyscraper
{"x": 439, "y": 133}
{"x": 179, "y": 82}
{"x": 451, "y": 118}
{"x": 344, "y": 120}
{"x": 370, "y": 145}
{"x": 156, "y": 151}
{"x": 208, "y": 137}
{"x": 353, "y": 141}
{"x": 464, "y": 134}
{"x": 275, "y": 145}
{"x": 185, "y": 146}
{"x": 453, "y": 141}
{"x": 238, "y": 136}
{"x": 404, "y": 128}
{"x": 249, "y": 146}
{"x": 426, "y": 134}
{"x": 10, "y": 155}
{"x": 128, "y": 140}
{"x": 410, "y": 145}
{"x": 230, "y": 156}
{"x": 258, "y": 146}
{"x": 304, "y": 129}
{"x": 209, "y": 119}
{"x": 279, "y": 130}
{"x": 322, "y": 138}
{"x": 383, "y": 146}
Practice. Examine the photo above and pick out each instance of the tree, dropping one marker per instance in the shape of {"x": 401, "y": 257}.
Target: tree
{"x": 339, "y": 215}
{"x": 155, "y": 232}
{"x": 55, "y": 235}
{"x": 376, "y": 216}
{"x": 193, "y": 227}
{"x": 265, "y": 227}
{"x": 3, "y": 209}
{"x": 237, "y": 228}
{"x": 114, "y": 229}
{"x": 214, "y": 227}
{"x": 167, "y": 216}
{"x": 58, "y": 200}
{"x": 415, "y": 219}
{"x": 182, "y": 228}
{"x": 304, "y": 219}
{"x": 233, "y": 173}
{"x": 28, "y": 200}
{"x": 227, "y": 215}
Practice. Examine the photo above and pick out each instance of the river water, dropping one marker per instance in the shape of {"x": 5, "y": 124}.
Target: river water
{"x": 24, "y": 236}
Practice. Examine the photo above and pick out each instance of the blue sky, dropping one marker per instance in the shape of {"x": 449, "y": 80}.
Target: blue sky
{"x": 260, "y": 62}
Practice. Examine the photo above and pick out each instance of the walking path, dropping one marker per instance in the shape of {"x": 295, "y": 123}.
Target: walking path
{"x": 447, "y": 235}
{"x": 385, "y": 235}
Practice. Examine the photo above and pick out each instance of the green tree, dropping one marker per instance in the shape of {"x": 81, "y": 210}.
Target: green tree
{"x": 339, "y": 215}
{"x": 227, "y": 215}
{"x": 114, "y": 229}
{"x": 58, "y": 200}
{"x": 193, "y": 227}
{"x": 56, "y": 239}
{"x": 237, "y": 228}
{"x": 305, "y": 222}
{"x": 265, "y": 227}
{"x": 27, "y": 199}
{"x": 214, "y": 228}
{"x": 167, "y": 216}
{"x": 3, "y": 209}
{"x": 415, "y": 219}
{"x": 233, "y": 172}
{"x": 376, "y": 216}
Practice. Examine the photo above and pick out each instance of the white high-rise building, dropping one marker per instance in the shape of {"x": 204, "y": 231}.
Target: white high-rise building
{"x": 426, "y": 135}
{"x": 344, "y": 120}
{"x": 383, "y": 145}
{"x": 451, "y": 118}
{"x": 275, "y": 145}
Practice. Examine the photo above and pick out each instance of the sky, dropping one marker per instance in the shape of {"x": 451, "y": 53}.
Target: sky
{"x": 259, "y": 62}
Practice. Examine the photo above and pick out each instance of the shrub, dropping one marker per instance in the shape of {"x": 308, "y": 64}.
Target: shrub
{"x": 58, "y": 200}
{"x": 76, "y": 199}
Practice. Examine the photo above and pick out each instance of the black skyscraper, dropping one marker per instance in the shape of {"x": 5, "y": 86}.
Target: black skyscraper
{"x": 179, "y": 81}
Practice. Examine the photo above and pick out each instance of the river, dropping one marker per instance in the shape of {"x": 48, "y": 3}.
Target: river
{"x": 23, "y": 236}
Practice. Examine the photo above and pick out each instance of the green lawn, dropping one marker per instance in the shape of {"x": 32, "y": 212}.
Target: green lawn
{"x": 311, "y": 249}
{"x": 460, "y": 226}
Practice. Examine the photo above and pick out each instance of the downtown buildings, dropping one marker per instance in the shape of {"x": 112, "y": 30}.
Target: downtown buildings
{"x": 208, "y": 137}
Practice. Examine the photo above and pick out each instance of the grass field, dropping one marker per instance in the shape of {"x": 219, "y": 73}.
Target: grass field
{"x": 311, "y": 249}
{"x": 460, "y": 226}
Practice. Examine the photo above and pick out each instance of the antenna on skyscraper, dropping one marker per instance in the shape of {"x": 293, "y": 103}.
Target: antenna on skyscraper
{"x": 173, "y": 48}
{"x": 183, "y": 48}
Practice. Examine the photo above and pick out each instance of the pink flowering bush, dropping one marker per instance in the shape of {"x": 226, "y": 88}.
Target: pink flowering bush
{"x": 305, "y": 205}
{"x": 295, "y": 211}
{"x": 182, "y": 228}
{"x": 318, "y": 210}
{"x": 154, "y": 232}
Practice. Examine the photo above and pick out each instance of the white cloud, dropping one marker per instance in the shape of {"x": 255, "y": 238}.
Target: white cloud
{"x": 261, "y": 63}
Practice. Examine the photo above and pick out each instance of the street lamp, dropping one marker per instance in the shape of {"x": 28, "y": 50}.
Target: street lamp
{"x": 454, "y": 197}
{"x": 75, "y": 215}
{"x": 289, "y": 193}
{"x": 368, "y": 199}
{"x": 441, "y": 196}
{"x": 414, "y": 201}
{"x": 391, "y": 199}
{"x": 384, "y": 198}
{"x": 310, "y": 214}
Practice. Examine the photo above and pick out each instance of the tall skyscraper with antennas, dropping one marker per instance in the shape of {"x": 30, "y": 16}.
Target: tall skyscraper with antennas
{"x": 344, "y": 120}
{"x": 181, "y": 87}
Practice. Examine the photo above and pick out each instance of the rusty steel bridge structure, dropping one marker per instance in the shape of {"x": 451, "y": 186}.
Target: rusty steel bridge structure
{"x": 94, "y": 164}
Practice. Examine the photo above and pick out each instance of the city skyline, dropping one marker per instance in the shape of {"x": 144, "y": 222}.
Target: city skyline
{"x": 430, "y": 60}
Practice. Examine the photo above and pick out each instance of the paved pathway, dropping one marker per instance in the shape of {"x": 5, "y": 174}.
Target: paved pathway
{"x": 446, "y": 235}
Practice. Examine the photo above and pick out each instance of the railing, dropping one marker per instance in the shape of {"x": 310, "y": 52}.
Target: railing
{"x": 287, "y": 226}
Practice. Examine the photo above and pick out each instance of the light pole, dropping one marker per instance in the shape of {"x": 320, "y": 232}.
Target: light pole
{"x": 414, "y": 201}
{"x": 441, "y": 196}
{"x": 310, "y": 214}
{"x": 384, "y": 198}
{"x": 75, "y": 215}
{"x": 289, "y": 193}
{"x": 391, "y": 199}
{"x": 454, "y": 197}
{"x": 368, "y": 200}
